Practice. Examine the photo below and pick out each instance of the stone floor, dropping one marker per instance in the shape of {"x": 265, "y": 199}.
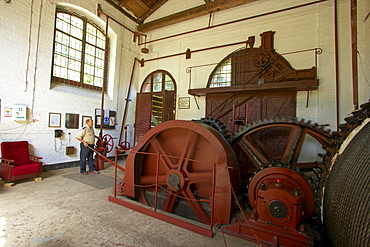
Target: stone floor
{"x": 60, "y": 211}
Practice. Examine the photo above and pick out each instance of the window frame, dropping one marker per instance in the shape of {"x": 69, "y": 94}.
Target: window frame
{"x": 84, "y": 42}
{"x": 151, "y": 77}
{"x": 235, "y": 79}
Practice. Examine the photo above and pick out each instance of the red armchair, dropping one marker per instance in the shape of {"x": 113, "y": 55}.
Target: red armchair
{"x": 17, "y": 163}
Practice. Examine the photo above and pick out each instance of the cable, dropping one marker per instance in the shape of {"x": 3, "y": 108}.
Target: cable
{"x": 36, "y": 60}
{"x": 29, "y": 46}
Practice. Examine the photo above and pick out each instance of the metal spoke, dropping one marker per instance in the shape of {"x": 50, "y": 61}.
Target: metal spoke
{"x": 151, "y": 179}
{"x": 170, "y": 203}
{"x": 159, "y": 149}
{"x": 195, "y": 206}
{"x": 199, "y": 177}
{"x": 188, "y": 150}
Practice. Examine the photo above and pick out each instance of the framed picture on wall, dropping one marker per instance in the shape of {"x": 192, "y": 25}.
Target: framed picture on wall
{"x": 84, "y": 118}
{"x": 72, "y": 121}
{"x": 184, "y": 103}
{"x": 108, "y": 121}
{"x": 55, "y": 119}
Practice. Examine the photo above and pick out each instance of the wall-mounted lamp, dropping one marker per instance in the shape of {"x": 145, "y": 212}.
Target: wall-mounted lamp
{"x": 145, "y": 50}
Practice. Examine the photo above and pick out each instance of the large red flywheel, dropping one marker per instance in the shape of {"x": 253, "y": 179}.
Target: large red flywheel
{"x": 179, "y": 167}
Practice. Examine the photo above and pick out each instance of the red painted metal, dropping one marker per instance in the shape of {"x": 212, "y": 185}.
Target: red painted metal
{"x": 191, "y": 227}
{"x": 282, "y": 143}
{"x": 266, "y": 234}
{"x": 185, "y": 153}
{"x": 281, "y": 199}
{"x": 283, "y": 185}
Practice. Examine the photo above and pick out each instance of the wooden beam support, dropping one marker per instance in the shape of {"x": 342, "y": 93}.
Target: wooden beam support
{"x": 192, "y": 13}
{"x": 114, "y": 4}
{"x": 151, "y": 10}
{"x": 123, "y": 2}
{"x": 300, "y": 85}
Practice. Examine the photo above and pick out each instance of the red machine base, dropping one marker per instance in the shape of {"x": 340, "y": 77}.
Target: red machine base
{"x": 166, "y": 218}
{"x": 269, "y": 235}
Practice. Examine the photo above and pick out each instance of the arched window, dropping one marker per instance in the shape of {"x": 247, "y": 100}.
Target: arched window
{"x": 228, "y": 72}
{"x": 79, "y": 52}
{"x": 158, "y": 81}
{"x": 222, "y": 75}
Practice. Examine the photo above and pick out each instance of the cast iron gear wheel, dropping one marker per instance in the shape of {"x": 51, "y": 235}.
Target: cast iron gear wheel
{"x": 305, "y": 190}
{"x": 281, "y": 142}
{"x": 277, "y": 141}
{"x": 217, "y": 125}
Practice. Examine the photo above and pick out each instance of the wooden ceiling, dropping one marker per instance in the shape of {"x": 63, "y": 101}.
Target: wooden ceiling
{"x": 140, "y": 10}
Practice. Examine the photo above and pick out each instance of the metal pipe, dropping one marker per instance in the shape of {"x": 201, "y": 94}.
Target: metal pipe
{"x": 354, "y": 53}
{"x": 213, "y": 195}
{"x": 336, "y": 61}
{"x": 204, "y": 49}
{"x": 235, "y": 21}
{"x": 156, "y": 183}
{"x": 127, "y": 100}
{"x": 105, "y": 80}
{"x": 106, "y": 159}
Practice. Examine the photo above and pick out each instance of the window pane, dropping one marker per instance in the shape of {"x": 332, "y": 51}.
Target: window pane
{"x": 91, "y": 39}
{"x": 88, "y": 79}
{"x": 77, "y": 22}
{"x": 99, "y": 72}
{"x": 74, "y": 75}
{"x": 91, "y": 29}
{"x": 98, "y": 82}
{"x": 146, "y": 86}
{"x": 75, "y": 43}
{"x": 169, "y": 83}
{"x": 99, "y": 63}
{"x": 90, "y": 49}
{"x": 222, "y": 76}
{"x": 100, "y": 53}
{"x": 157, "y": 82}
{"x": 64, "y": 16}
{"x": 100, "y": 43}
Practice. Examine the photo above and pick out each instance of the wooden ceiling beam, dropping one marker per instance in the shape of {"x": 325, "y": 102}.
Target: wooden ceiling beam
{"x": 192, "y": 13}
{"x": 114, "y": 4}
{"x": 123, "y": 2}
{"x": 151, "y": 10}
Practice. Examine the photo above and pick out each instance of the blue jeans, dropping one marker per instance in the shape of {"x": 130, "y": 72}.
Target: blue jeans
{"x": 86, "y": 153}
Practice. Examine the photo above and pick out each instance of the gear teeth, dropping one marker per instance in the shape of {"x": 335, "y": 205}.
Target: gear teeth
{"x": 343, "y": 127}
{"x": 317, "y": 170}
{"x": 365, "y": 106}
{"x": 350, "y": 120}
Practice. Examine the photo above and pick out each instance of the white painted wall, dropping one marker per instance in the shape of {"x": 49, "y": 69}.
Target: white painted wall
{"x": 25, "y": 69}
{"x": 25, "y": 64}
{"x": 296, "y": 29}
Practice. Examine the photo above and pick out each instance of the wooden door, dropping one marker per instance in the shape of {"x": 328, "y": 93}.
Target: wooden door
{"x": 143, "y": 115}
{"x": 151, "y": 110}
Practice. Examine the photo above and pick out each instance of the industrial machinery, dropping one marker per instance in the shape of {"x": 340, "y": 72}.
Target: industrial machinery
{"x": 263, "y": 184}
{"x": 104, "y": 145}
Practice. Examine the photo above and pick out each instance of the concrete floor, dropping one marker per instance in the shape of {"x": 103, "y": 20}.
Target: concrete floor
{"x": 59, "y": 211}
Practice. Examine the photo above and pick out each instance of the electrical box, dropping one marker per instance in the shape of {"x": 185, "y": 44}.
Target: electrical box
{"x": 58, "y": 133}
{"x": 20, "y": 113}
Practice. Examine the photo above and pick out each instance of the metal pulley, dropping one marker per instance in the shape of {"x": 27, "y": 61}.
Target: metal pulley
{"x": 105, "y": 144}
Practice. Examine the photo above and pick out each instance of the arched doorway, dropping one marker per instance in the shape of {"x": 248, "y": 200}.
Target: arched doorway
{"x": 156, "y": 102}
